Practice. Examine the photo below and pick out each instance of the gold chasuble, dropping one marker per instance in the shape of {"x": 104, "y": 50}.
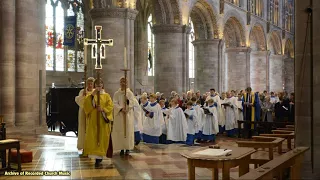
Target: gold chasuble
{"x": 252, "y": 107}
{"x": 91, "y": 145}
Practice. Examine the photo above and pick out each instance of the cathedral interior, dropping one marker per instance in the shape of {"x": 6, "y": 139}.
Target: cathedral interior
{"x": 167, "y": 45}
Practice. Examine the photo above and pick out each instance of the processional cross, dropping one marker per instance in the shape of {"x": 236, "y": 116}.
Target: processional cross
{"x": 98, "y": 53}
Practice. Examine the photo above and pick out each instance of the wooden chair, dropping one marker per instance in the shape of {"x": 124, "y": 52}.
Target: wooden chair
{"x": 11, "y": 144}
{"x": 276, "y": 167}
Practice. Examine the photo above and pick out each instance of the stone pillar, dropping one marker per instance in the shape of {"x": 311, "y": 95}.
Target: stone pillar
{"x": 30, "y": 64}
{"x": 238, "y": 68}
{"x": 258, "y": 70}
{"x": 276, "y": 73}
{"x": 141, "y": 51}
{"x": 288, "y": 75}
{"x": 170, "y": 58}
{"x": 7, "y": 61}
{"x": 206, "y": 64}
{"x": 307, "y": 87}
{"x": 117, "y": 24}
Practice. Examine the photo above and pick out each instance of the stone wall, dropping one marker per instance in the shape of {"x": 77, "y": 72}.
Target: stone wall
{"x": 276, "y": 73}
{"x": 258, "y": 70}
{"x": 169, "y": 59}
{"x": 236, "y": 69}
{"x": 206, "y": 64}
{"x": 289, "y": 75}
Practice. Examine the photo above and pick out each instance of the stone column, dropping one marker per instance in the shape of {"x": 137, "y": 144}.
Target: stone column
{"x": 7, "y": 61}
{"x": 276, "y": 73}
{"x": 170, "y": 58}
{"x": 238, "y": 68}
{"x": 117, "y": 24}
{"x": 30, "y": 64}
{"x": 206, "y": 64}
{"x": 141, "y": 51}
{"x": 307, "y": 87}
{"x": 258, "y": 70}
{"x": 288, "y": 74}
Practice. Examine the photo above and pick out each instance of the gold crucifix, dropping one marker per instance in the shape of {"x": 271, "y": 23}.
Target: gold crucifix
{"x": 98, "y": 53}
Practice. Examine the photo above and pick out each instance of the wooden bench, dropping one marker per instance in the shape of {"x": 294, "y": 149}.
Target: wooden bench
{"x": 282, "y": 132}
{"x": 276, "y": 167}
{"x": 286, "y": 129}
{"x": 288, "y": 137}
{"x": 265, "y": 143}
{"x": 11, "y": 144}
{"x": 266, "y": 126}
{"x": 289, "y": 126}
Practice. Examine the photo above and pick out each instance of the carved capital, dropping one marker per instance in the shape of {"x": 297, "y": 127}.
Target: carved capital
{"x": 170, "y": 28}
{"x": 120, "y": 13}
{"x": 206, "y": 41}
{"x": 238, "y": 49}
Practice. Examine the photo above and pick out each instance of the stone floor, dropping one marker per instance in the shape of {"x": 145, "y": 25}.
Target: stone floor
{"x": 147, "y": 161}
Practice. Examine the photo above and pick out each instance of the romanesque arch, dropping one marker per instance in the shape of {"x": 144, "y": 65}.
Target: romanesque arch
{"x": 167, "y": 12}
{"x": 276, "y": 80}
{"x": 204, "y": 21}
{"x": 258, "y": 58}
{"x": 257, "y": 38}
{"x": 236, "y": 55}
{"x": 234, "y": 35}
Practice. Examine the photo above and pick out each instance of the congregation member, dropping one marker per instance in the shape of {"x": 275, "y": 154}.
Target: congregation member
{"x": 249, "y": 110}
{"x": 231, "y": 110}
{"x": 98, "y": 141}
{"x": 123, "y": 132}
{"x": 257, "y": 106}
{"x": 82, "y": 116}
{"x": 281, "y": 109}
{"x": 267, "y": 110}
{"x": 152, "y": 121}
{"x": 177, "y": 128}
{"x": 192, "y": 118}
{"x": 210, "y": 125}
{"x": 291, "y": 108}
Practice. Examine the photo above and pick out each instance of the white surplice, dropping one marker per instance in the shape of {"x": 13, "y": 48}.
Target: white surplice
{"x": 81, "y": 119}
{"x": 138, "y": 113}
{"x": 222, "y": 119}
{"x": 231, "y": 113}
{"x": 177, "y": 125}
{"x": 152, "y": 126}
{"x": 165, "y": 120}
{"x": 200, "y": 115}
{"x": 192, "y": 120}
{"x": 217, "y": 100}
{"x": 118, "y": 139}
{"x": 211, "y": 125}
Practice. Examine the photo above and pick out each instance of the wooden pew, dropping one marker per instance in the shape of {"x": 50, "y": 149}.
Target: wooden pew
{"x": 286, "y": 129}
{"x": 265, "y": 143}
{"x": 288, "y": 137}
{"x": 276, "y": 167}
{"x": 267, "y": 126}
{"x": 289, "y": 126}
{"x": 282, "y": 132}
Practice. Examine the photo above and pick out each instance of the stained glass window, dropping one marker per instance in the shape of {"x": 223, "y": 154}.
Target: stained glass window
{"x": 191, "y": 51}
{"x": 49, "y": 36}
{"x": 58, "y": 57}
{"x": 150, "y": 48}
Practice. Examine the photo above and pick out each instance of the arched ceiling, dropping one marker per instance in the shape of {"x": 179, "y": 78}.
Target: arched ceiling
{"x": 257, "y": 38}
{"x": 288, "y": 49}
{"x": 204, "y": 21}
{"x": 167, "y": 12}
{"x": 233, "y": 33}
{"x": 274, "y": 44}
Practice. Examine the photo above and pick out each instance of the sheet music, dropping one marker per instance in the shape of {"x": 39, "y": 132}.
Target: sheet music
{"x": 213, "y": 152}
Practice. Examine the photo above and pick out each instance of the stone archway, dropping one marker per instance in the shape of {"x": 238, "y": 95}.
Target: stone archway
{"x": 206, "y": 46}
{"x": 236, "y": 55}
{"x": 258, "y": 58}
{"x": 167, "y": 12}
{"x": 275, "y": 62}
{"x": 288, "y": 70}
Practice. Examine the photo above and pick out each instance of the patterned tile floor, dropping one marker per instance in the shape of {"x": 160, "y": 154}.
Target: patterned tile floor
{"x": 147, "y": 161}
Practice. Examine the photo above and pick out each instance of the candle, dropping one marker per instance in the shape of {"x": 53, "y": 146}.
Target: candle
{"x": 85, "y": 54}
{"x": 125, "y": 57}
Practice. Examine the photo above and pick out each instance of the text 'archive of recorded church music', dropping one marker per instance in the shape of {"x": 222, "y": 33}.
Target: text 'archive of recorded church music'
{"x": 38, "y": 173}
